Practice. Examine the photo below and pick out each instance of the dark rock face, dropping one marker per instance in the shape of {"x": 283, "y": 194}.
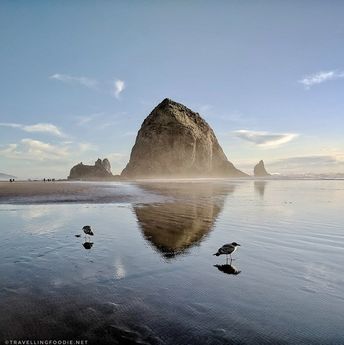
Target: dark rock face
{"x": 174, "y": 141}
{"x": 100, "y": 170}
{"x": 260, "y": 171}
{"x": 106, "y": 165}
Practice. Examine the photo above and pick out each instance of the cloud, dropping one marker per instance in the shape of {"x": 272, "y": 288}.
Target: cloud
{"x": 97, "y": 120}
{"x": 39, "y": 148}
{"x": 320, "y": 77}
{"x": 86, "y": 119}
{"x": 30, "y": 149}
{"x": 36, "y": 150}
{"x": 83, "y": 147}
{"x": 314, "y": 164}
{"x": 65, "y": 78}
{"x": 35, "y": 158}
{"x": 306, "y": 161}
{"x": 9, "y": 150}
{"x": 39, "y": 127}
{"x": 265, "y": 139}
{"x": 119, "y": 86}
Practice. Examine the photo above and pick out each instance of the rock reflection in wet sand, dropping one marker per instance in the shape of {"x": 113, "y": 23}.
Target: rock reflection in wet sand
{"x": 184, "y": 222}
{"x": 259, "y": 187}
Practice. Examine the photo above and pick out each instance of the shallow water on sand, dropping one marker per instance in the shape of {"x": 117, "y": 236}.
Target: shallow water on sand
{"x": 150, "y": 276}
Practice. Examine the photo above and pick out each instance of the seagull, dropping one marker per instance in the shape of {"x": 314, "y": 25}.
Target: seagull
{"x": 227, "y": 249}
{"x": 87, "y": 230}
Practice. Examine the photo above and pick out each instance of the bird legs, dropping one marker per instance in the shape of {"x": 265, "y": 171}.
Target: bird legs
{"x": 227, "y": 258}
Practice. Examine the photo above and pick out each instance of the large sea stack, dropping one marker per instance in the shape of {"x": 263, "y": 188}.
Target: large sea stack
{"x": 100, "y": 170}
{"x": 174, "y": 141}
{"x": 259, "y": 170}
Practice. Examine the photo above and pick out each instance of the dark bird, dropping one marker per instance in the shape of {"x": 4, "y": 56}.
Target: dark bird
{"x": 87, "y": 230}
{"x": 228, "y": 269}
{"x": 88, "y": 245}
{"x": 227, "y": 249}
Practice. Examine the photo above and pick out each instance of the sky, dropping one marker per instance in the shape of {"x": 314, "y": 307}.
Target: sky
{"x": 79, "y": 77}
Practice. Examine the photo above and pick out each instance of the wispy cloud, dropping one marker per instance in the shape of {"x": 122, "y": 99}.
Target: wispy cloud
{"x": 36, "y": 128}
{"x": 311, "y": 164}
{"x": 119, "y": 86}
{"x": 87, "y": 119}
{"x": 84, "y": 81}
{"x": 265, "y": 139}
{"x": 83, "y": 147}
{"x": 30, "y": 149}
{"x": 36, "y": 150}
{"x": 314, "y": 160}
{"x": 116, "y": 88}
{"x": 98, "y": 120}
{"x": 320, "y": 77}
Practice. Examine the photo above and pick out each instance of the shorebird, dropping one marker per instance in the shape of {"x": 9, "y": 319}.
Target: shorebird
{"x": 87, "y": 230}
{"x": 227, "y": 249}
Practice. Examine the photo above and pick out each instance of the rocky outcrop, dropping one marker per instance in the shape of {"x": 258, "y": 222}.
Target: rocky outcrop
{"x": 174, "y": 141}
{"x": 100, "y": 170}
{"x": 259, "y": 170}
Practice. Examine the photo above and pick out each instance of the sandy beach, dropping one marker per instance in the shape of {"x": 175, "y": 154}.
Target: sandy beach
{"x": 61, "y": 191}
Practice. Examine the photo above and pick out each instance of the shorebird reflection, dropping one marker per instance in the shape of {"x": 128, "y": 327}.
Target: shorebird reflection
{"x": 88, "y": 245}
{"x": 228, "y": 269}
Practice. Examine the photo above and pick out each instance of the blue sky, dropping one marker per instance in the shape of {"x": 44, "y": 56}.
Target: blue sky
{"x": 79, "y": 77}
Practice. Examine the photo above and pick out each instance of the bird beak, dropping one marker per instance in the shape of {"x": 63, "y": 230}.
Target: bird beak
{"x": 239, "y": 244}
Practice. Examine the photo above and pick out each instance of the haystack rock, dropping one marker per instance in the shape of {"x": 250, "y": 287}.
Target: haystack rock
{"x": 100, "y": 170}
{"x": 259, "y": 170}
{"x": 174, "y": 141}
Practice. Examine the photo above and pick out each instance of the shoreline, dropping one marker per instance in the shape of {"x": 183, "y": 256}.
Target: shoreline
{"x": 67, "y": 191}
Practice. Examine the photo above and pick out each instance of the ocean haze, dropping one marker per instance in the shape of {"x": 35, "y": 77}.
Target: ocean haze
{"x": 6, "y": 176}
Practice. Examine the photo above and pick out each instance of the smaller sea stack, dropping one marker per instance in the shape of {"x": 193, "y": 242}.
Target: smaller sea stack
{"x": 100, "y": 170}
{"x": 259, "y": 170}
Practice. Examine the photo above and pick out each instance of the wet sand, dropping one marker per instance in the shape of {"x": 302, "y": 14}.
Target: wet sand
{"x": 40, "y": 188}
{"x": 31, "y": 192}
{"x": 150, "y": 276}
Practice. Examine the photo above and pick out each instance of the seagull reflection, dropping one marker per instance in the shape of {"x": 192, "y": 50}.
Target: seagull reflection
{"x": 88, "y": 245}
{"x": 228, "y": 269}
